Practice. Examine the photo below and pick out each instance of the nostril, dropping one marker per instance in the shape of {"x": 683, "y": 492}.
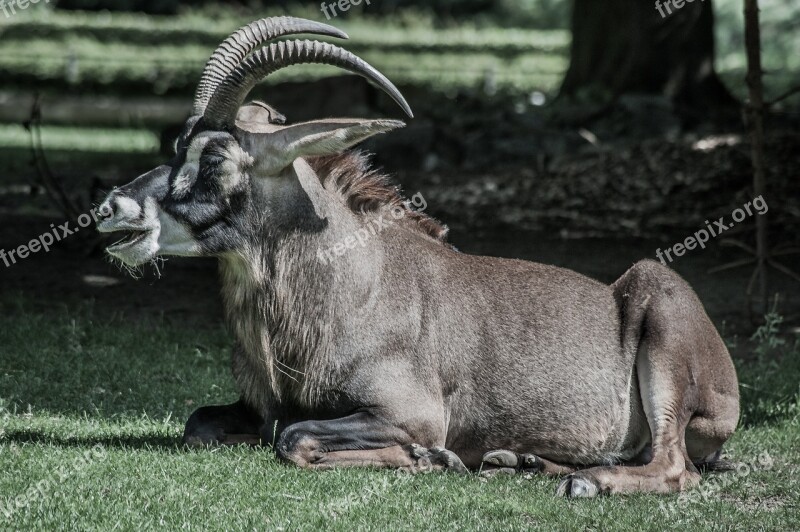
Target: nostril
{"x": 107, "y": 208}
{"x": 106, "y": 211}
{"x": 118, "y": 212}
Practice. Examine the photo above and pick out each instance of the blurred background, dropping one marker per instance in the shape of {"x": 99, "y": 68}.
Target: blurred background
{"x": 587, "y": 134}
{"x": 577, "y": 133}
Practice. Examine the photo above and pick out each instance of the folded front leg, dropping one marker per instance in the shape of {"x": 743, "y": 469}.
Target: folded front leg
{"x": 510, "y": 462}
{"x": 360, "y": 440}
{"x": 231, "y": 424}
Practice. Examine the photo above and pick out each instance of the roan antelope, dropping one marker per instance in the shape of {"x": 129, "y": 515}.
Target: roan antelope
{"x": 404, "y": 352}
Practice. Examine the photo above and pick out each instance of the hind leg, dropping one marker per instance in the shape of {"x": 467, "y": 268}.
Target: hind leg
{"x": 670, "y": 468}
{"x": 686, "y": 379}
{"x": 708, "y": 431}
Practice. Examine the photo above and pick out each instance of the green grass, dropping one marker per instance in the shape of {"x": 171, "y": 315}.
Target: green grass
{"x": 129, "y": 52}
{"x": 166, "y": 54}
{"x": 92, "y": 409}
{"x": 81, "y": 139}
{"x": 384, "y": 35}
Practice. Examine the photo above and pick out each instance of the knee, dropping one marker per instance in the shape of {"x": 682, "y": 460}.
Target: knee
{"x": 299, "y": 446}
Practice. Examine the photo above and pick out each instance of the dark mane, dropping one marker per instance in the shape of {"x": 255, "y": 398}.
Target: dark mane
{"x": 366, "y": 189}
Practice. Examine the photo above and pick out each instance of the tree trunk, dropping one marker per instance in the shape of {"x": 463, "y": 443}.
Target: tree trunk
{"x": 755, "y": 124}
{"x": 621, "y": 46}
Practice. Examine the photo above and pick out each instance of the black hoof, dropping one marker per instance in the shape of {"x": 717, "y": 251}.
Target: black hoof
{"x": 437, "y": 458}
{"x": 503, "y": 462}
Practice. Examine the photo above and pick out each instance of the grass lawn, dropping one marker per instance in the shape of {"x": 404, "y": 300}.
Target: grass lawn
{"x": 41, "y": 49}
{"x": 79, "y": 50}
{"x": 92, "y": 408}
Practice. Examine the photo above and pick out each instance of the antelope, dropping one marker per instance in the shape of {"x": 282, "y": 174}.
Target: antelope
{"x": 404, "y": 352}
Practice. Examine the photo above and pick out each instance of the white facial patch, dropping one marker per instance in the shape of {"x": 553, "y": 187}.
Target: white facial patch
{"x": 237, "y": 162}
{"x": 162, "y": 235}
{"x": 184, "y": 179}
{"x": 196, "y": 147}
{"x": 145, "y": 246}
{"x": 176, "y": 238}
{"x": 127, "y": 209}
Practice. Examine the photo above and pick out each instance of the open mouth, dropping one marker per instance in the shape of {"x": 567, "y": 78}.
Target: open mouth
{"x": 132, "y": 238}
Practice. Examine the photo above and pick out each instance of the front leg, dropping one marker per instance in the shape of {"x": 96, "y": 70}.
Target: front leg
{"x": 223, "y": 425}
{"x": 360, "y": 440}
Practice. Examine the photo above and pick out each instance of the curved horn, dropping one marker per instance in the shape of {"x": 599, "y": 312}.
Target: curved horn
{"x": 230, "y": 94}
{"x": 230, "y": 53}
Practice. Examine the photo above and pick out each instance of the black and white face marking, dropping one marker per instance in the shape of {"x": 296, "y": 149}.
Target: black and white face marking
{"x": 191, "y": 207}
{"x": 202, "y": 202}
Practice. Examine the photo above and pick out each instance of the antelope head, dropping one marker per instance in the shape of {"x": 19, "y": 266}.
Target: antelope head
{"x": 233, "y": 164}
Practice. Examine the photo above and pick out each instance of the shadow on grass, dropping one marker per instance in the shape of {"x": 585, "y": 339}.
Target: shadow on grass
{"x": 145, "y": 442}
{"x": 80, "y": 362}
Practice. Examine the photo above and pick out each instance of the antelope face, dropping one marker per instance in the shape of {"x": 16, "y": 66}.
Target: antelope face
{"x": 201, "y": 203}
{"x": 193, "y": 206}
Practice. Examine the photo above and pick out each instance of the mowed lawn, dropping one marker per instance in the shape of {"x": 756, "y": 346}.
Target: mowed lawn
{"x": 92, "y": 408}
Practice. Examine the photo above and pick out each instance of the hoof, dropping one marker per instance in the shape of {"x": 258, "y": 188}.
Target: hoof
{"x": 510, "y": 462}
{"x": 578, "y": 486}
{"x": 418, "y": 451}
{"x": 199, "y": 439}
{"x": 448, "y": 460}
{"x": 437, "y": 458}
{"x": 498, "y": 471}
{"x": 501, "y": 458}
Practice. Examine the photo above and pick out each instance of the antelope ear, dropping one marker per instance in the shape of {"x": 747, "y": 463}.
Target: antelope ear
{"x": 277, "y": 150}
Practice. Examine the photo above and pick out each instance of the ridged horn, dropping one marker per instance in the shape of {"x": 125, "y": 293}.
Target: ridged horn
{"x": 230, "y": 94}
{"x": 235, "y": 48}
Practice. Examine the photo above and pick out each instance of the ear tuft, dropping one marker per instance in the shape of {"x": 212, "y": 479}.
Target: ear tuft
{"x": 237, "y": 159}
{"x": 388, "y": 125}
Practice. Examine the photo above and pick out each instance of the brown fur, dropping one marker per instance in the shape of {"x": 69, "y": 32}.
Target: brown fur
{"x": 400, "y": 352}
{"x": 366, "y": 189}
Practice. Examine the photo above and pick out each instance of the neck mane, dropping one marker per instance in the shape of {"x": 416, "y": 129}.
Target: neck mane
{"x": 283, "y": 305}
{"x": 366, "y": 189}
